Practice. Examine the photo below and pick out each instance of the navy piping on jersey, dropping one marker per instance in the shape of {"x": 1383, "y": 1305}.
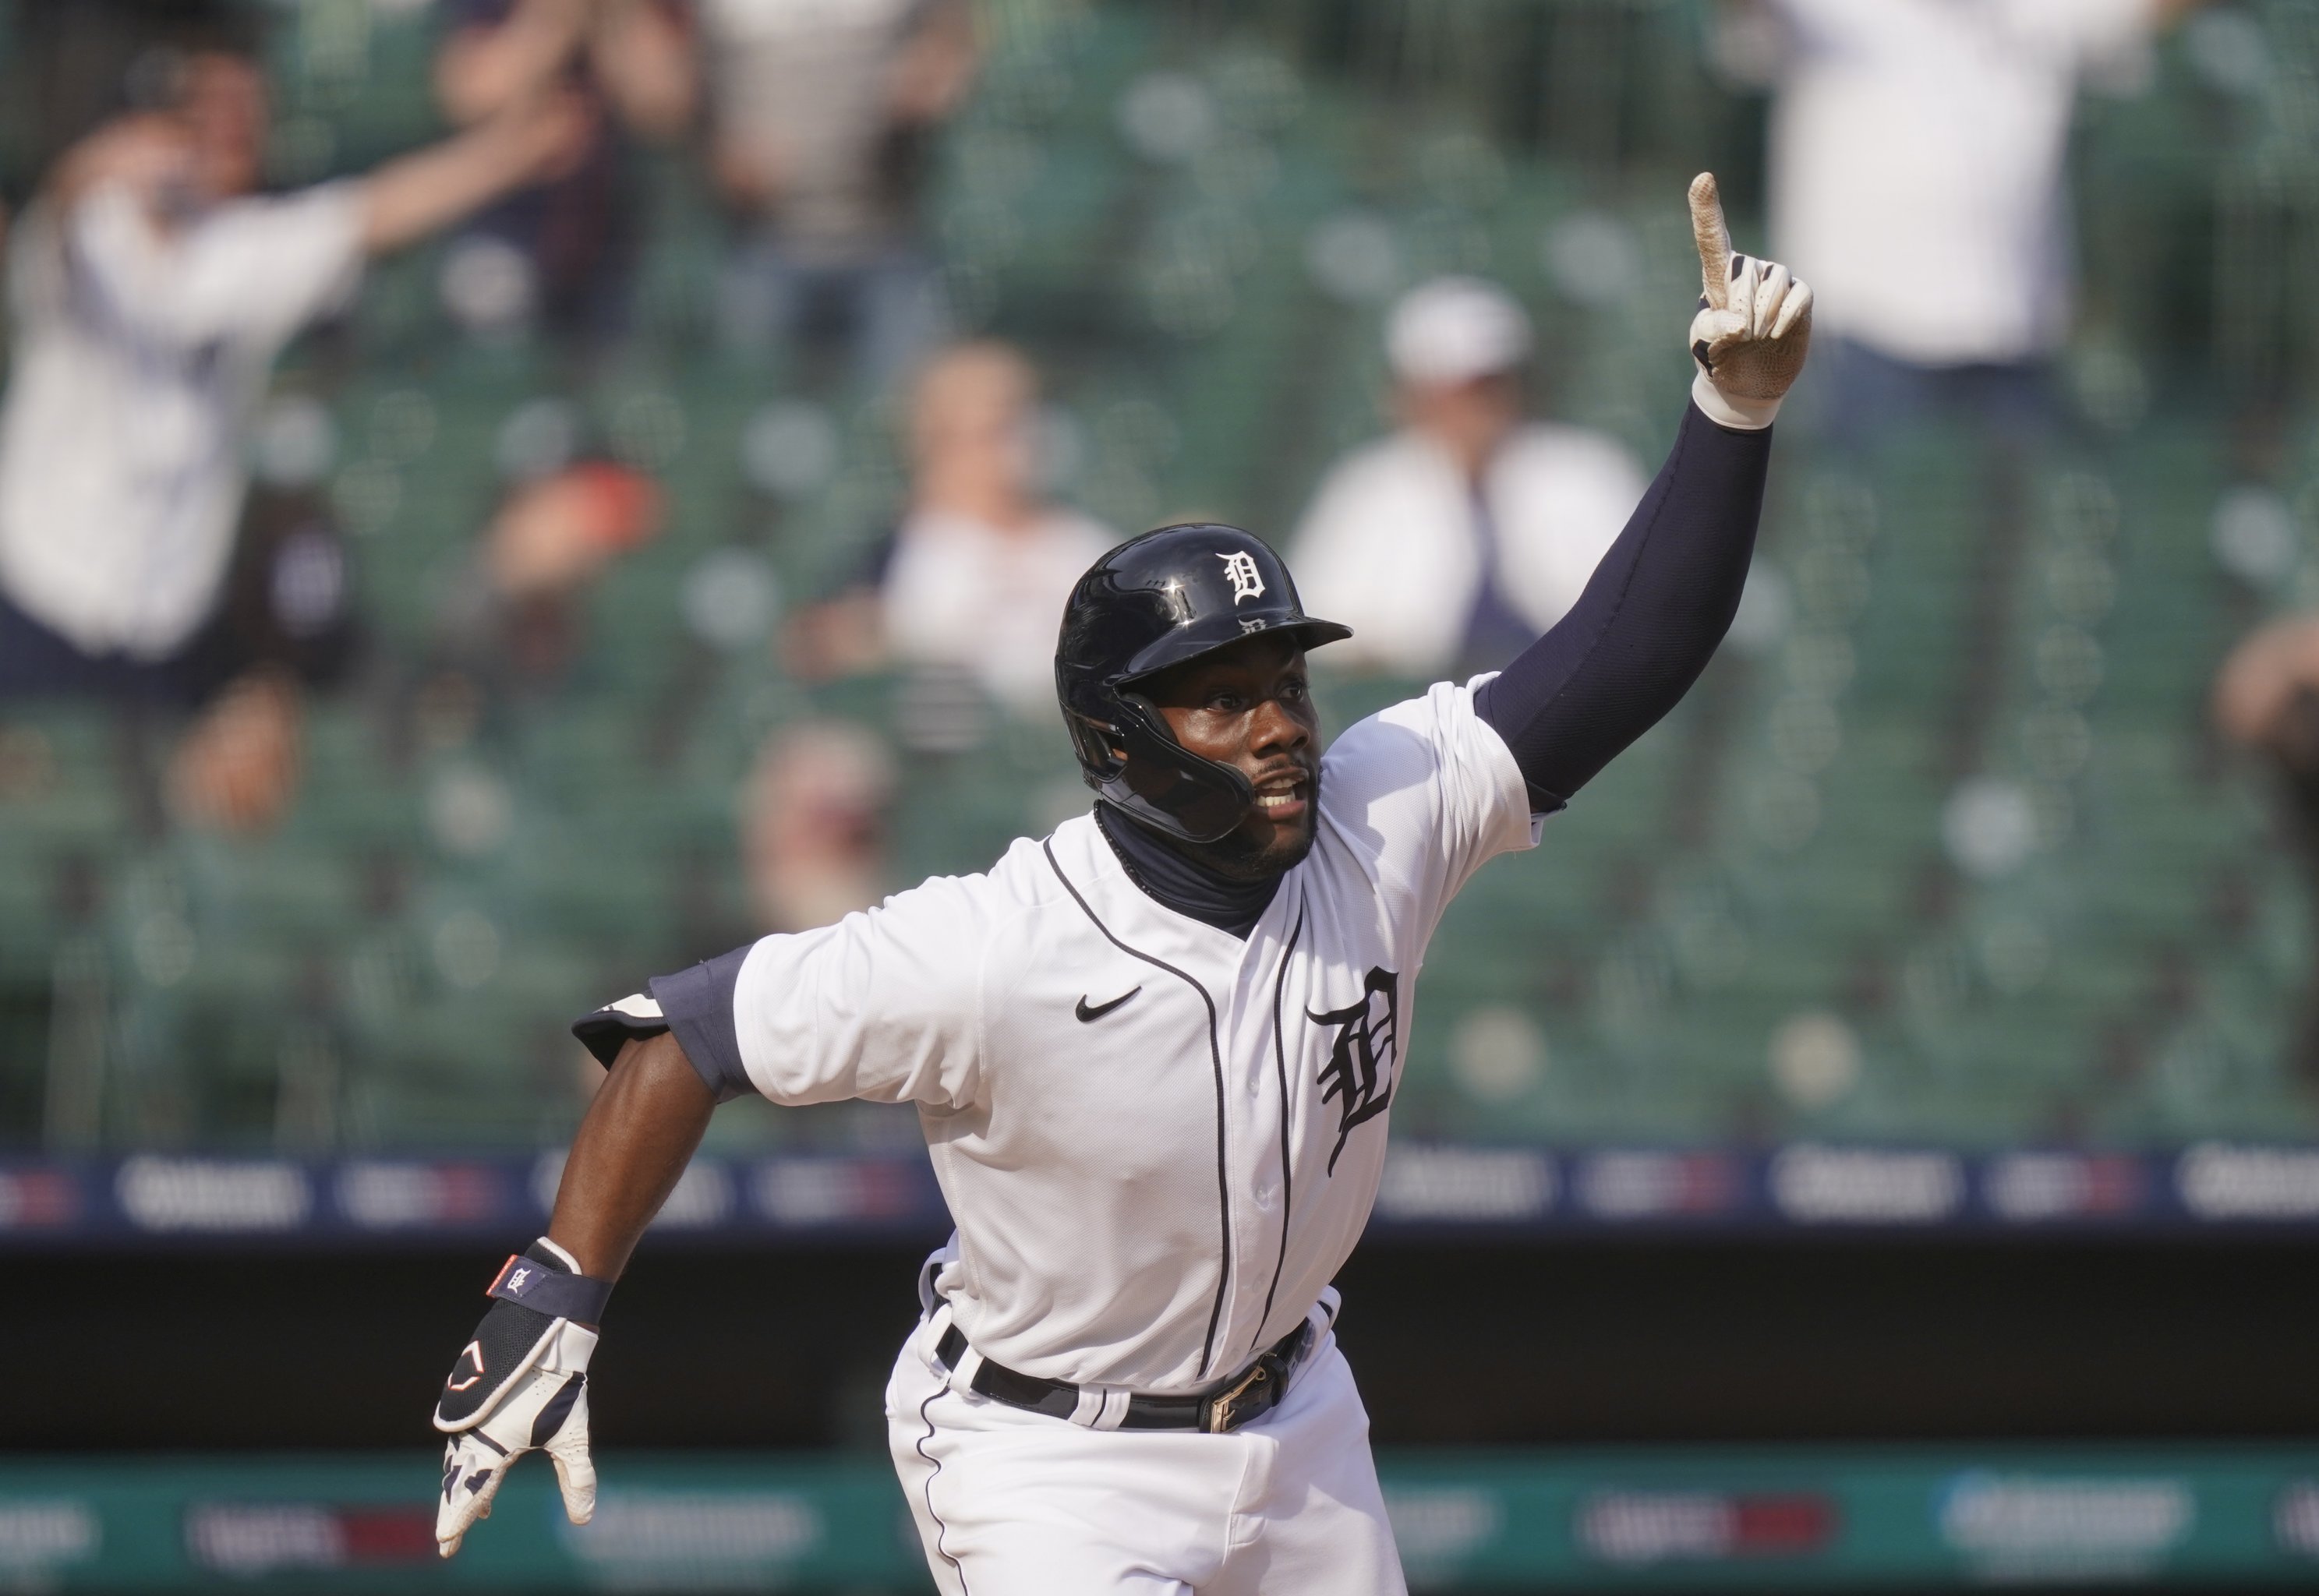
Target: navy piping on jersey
{"x": 1216, "y": 1057}
{"x": 942, "y": 1531}
{"x": 1280, "y": 1069}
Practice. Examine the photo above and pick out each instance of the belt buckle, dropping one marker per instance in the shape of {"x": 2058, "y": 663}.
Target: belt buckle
{"x": 1254, "y": 1393}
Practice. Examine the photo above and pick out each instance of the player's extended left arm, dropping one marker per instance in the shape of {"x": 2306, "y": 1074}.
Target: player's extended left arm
{"x": 521, "y": 1382}
{"x": 1659, "y": 603}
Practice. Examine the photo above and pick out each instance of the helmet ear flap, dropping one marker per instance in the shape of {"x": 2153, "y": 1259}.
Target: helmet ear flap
{"x": 1098, "y": 761}
{"x": 1144, "y": 717}
{"x": 1147, "y": 713}
{"x": 1166, "y": 784}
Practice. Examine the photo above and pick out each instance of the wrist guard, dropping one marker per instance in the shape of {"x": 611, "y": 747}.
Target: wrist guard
{"x": 542, "y": 1316}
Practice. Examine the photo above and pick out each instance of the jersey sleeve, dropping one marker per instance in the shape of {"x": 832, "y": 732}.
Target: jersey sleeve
{"x": 886, "y": 1004}
{"x": 697, "y": 1005}
{"x": 1427, "y": 793}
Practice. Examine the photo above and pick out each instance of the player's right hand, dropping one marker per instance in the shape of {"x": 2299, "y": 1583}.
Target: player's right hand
{"x": 520, "y": 1384}
{"x": 1754, "y": 318}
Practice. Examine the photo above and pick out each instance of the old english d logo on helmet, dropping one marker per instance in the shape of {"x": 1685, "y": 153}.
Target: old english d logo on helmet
{"x": 1240, "y": 570}
{"x": 1155, "y": 601}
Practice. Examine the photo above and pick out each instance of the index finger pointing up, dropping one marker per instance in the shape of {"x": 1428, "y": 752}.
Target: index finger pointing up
{"x": 1714, "y": 239}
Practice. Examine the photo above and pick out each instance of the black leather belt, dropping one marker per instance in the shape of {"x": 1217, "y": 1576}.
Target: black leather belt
{"x": 1221, "y": 1409}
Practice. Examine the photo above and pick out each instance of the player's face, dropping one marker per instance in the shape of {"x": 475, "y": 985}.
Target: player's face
{"x": 1251, "y": 706}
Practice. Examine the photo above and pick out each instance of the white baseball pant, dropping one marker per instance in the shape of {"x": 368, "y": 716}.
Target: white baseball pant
{"x": 1015, "y": 1504}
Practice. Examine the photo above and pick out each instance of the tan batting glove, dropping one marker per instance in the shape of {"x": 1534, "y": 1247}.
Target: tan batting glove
{"x": 542, "y": 1409}
{"x": 1753, "y": 324}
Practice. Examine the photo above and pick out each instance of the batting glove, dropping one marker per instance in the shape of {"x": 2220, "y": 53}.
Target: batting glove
{"x": 1755, "y": 319}
{"x": 521, "y": 1384}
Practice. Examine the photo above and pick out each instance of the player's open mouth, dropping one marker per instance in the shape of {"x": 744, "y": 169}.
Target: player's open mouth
{"x": 1281, "y": 798}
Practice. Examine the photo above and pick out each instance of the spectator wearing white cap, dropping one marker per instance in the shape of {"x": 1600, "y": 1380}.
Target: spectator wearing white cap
{"x": 1453, "y": 542}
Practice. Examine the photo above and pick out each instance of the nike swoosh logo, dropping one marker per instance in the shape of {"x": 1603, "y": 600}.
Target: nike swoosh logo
{"x": 1087, "y": 1015}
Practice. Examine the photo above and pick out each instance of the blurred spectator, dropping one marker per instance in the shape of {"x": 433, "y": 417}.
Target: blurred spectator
{"x": 2267, "y": 699}
{"x": 1456, "y": 541}
{"x": 813, "y": 824}
{"x": 237, "y": 767}
{"x": 824, "y": 113}
{"x": 519, "y": 620}
{"x": 976, "y": 575}
{"x": 555, "y": 533}
{"x": 152, "y": 288}
{"x": 1918, "y": 184}
{"x": 629, "y": 63}
{"x": 282, "y": 624}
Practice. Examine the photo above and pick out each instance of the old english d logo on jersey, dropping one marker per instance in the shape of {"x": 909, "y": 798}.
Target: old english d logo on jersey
{"x": 1365, "y": 1057}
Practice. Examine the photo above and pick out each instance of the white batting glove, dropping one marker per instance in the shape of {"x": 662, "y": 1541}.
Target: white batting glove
{"x": 520, "y": 1384}
{"x": 1753, "y": 324}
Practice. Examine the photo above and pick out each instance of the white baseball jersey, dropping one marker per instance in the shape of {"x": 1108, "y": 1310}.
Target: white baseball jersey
{"x": 1159, "y": 1142}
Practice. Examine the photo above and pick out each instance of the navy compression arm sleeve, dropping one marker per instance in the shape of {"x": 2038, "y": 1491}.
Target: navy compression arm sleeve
{"x": 1647, "y": 623}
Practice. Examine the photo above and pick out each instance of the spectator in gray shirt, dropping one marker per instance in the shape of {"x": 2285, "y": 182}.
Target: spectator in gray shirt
{"x": 823, "y": 112}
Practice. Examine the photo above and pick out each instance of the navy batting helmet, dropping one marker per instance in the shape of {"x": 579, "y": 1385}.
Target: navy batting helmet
{"x": 1155, "y": 601}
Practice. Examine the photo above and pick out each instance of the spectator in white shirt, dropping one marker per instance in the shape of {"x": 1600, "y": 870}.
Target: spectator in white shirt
{"x": 1452, "y": 543}
{"x": 1916, "y": 179}
{"x": 151, "y": 287}
{"x": 976, "y": 575}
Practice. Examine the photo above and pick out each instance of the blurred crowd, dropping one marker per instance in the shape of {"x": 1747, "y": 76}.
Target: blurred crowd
{"x": 154, "y": 278}
{"x": 1917, "y": 178}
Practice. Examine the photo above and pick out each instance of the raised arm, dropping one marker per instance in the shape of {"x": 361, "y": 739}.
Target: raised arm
{"x": 1659, "y": 603}
{"x": 485, "y": 69}
{"x": 254, "y": 270}
{"x": 643, "y": 54}
{"x": 407, "y": 199}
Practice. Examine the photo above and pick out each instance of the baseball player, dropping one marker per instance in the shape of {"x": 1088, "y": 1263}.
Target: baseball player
{"x": 1154, "y": 1051}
